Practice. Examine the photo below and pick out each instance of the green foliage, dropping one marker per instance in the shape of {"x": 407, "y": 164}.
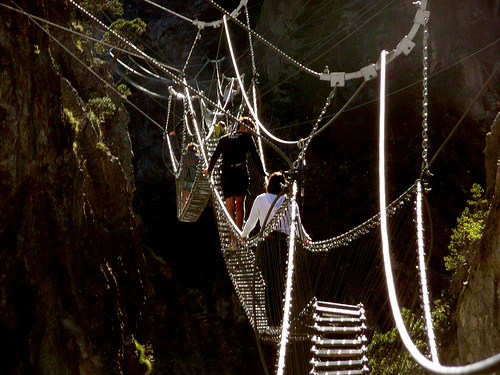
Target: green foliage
{"x": 144, "y": 363}
{"x": 101, "y": 109}
{"x": 101, "y": 8}
{"x": 79, "y": 45}
{"x": 102, "y": 147}
{"x": 441, "y": 317}
{"x": 124, "y": 91}
{"x": 96, "y": 7}
{"x": 387, "y": 354}
{"x": 130, "y": 30}
{"x": 469, "y": 228}
{"x": 75, "y": 125}
{"x": 78, "y": 26}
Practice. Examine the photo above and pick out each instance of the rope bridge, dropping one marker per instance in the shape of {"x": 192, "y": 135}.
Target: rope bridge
{"x": 259, "y": 267}
{"x": 309, "y": 298}
{"x": 295, "y": 291}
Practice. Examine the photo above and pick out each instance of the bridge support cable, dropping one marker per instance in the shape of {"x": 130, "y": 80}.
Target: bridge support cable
{"x": 425, "y": 100}
{"x": 166, "y": 137}
{"x": 405, "y": 46}
{"x": 196, "y": 38}
{"x": 264, "y": 41}
{"x": 242, "y": 88}
{"x": 425, "y": 171}
{"x": 486, "y": 366}
{"x": 289, "y": 279}
{"x": 423, "y": 277}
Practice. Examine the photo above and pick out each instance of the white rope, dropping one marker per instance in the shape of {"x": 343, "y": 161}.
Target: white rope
{"x": 175, "y": 162}
{"x": 423, "y": 276}
{"x": 136, "y": 72}
{"x": 259, "y": 139}
{"x": 485, "y": 366}
{"x": 243, "y": 93}
{"x": 289, "y": 279}
{"x": 196, "y": 128}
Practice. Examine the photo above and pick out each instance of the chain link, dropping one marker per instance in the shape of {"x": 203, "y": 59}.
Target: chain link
{"x": 425, "y": 108}
{"x": 304, "y": 143}
{"x": 197, "y": 37}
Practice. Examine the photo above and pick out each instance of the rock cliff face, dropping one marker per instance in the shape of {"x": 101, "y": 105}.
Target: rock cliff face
{"x": 477, "y": 315}
{"x": 71, "y": 265}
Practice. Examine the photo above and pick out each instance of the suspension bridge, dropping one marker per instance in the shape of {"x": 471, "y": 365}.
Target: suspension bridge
{"x": 289, "y": 292}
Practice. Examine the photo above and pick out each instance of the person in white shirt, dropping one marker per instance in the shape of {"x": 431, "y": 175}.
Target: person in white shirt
{"x": 270, "y": 200}
{"x": 271, "y": 253}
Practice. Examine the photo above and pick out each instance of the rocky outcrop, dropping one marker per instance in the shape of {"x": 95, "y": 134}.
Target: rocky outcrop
{"x": 477, "y": 316}
{"x": 71, "y": 266}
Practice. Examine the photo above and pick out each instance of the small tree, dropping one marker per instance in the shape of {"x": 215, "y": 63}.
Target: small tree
{"x": 101, "y": 108}
{"x": 98, "y": 8}
{"x": 129, "y": 30}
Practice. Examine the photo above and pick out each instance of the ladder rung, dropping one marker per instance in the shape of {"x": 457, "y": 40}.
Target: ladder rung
{"x": 336, "y": 320}
{"x": 341, "y": 365}
{"x": 338, "y": 353}
{"x": 346, "y": 372}
{"x": 319, "y": 341}
{"x": 345, "y": 330}
{"x": 339, "y": 305}
{"x": 337, "y": 311}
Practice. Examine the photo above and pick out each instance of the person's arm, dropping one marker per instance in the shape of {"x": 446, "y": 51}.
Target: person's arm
{"x": 252, "y": 218}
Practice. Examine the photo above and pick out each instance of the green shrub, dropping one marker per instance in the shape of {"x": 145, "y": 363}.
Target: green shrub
{"x": 101, "y": 108}
{"x": 145, "y": 366}
{"x": 469, "y": 228}
{"x": 387, "y": 354}
{"x": 124, "y": 90}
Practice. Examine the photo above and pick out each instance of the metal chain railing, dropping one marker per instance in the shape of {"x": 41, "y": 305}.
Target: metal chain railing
{"x": 425, "y": 100}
